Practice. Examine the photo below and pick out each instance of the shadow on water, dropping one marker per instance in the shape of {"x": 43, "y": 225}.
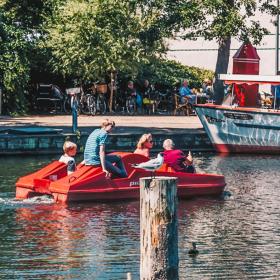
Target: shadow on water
{"x": 237, "y": 236}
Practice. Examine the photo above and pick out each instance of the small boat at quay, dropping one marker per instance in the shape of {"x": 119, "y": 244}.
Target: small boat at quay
{"x": 88, "y": 183}
{"x": 240, "y": 124}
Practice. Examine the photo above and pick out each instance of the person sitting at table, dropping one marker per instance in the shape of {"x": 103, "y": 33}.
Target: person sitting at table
{"x": 144, "y": 145}
{"x": 186, "y": 93}
{"x": 207, "y": 88}
{"x": 131, "y": 93}
{"x": 148, "y": 97}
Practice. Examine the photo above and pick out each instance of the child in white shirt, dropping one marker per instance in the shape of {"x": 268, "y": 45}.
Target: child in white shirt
{"x": 70, "y": 150}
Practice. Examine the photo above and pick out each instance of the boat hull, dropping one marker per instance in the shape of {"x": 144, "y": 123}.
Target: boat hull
{"x": 88, "y": 183}
{"x": 134, "y": 194}
{"x": 241, "y": 130}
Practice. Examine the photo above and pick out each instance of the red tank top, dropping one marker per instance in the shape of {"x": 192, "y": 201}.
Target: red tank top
{"x": 175, "y": 159}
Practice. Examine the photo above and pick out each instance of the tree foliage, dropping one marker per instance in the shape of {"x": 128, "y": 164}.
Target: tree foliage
{"x": 31, "y": 14}
{"x": 224, "y": 19}
{"x": 169, "y": 73}
{"x": 14, "y": 63}
{"x": 218, "y": 20}
{"x": 20, "y": 29}
{"x": 228, "y": 18}
{"x": 89, "y": 38}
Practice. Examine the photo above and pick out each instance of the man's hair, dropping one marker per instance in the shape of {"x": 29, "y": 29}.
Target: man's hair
{"x": 68, "y": 146}
{"x": 107, "y": 122}
{"x": 168, "y": 143}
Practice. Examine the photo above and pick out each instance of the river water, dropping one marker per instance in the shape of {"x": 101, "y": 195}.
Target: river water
{"x": 237, "y": 235}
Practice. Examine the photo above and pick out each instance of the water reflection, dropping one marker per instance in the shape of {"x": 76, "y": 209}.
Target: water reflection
{"x": 93, "y": 238}
{"x": 238, "y": 237}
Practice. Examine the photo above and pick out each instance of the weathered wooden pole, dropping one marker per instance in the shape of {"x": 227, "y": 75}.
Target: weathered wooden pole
{"x": 158, "y": 228}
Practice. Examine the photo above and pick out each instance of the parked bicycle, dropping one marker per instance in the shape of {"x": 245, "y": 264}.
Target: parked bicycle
{"x": 97, "y": 101}
{"x": 101, "y": 102}
{"x": 133, "y": 99}
{"x": 163, "y": 103}
{"x": 85, "y": 101}
{"x": 130, "y": 105}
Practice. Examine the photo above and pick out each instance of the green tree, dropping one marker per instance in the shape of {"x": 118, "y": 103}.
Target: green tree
{"x": 169, "y": 73}
{"x": 224, "y": 19}
{"x": 14, "y": 64}
{"x": 218, "y": 20}
{"x": 31, "y": 14}
{"x": 20, "y": 30}
{"x": 89, "y": 38}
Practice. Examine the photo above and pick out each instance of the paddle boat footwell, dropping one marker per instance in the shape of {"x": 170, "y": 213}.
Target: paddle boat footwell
{"x": 88, "y": 183}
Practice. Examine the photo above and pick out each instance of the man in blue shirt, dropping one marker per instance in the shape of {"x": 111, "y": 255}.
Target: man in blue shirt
{"x": 185, "y": 92}
{"x": 94, "y": 153}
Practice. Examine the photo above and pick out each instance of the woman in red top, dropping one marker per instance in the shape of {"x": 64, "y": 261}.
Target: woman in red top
{"x": 176, "y": 158}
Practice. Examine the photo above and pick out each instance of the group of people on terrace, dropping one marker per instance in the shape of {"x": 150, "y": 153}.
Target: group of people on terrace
{"x": 146, "y": 98}
{"x": 95, "y": 153}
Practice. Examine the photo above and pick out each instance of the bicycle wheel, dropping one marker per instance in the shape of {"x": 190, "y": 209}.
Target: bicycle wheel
{"x": 85, "y": 109}
{"x": 101, "y": 104}
{"x": 83, "y": 105}
{"x": 91, "y": 104}
{"x": 130, "y": 105}
{"x": 67, "y": 104}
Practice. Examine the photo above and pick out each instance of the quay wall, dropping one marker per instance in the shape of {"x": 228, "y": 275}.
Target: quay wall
{"x": 13, "y": 144}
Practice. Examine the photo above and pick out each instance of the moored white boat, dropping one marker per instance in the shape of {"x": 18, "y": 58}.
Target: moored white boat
{"x": 242, "y": 129}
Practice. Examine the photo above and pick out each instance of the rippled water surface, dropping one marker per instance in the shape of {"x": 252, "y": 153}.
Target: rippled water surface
{"x": 238, "y": 236}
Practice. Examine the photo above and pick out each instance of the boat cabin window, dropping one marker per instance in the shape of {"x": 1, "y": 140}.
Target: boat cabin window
{"x": 254, "y": 96}
{"x": 242, "y": 95}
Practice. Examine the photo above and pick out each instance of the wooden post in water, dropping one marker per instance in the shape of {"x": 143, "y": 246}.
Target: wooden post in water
{"x": 158, "y": 228}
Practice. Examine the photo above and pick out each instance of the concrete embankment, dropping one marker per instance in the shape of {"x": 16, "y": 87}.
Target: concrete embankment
{"x": 46, "y": 134}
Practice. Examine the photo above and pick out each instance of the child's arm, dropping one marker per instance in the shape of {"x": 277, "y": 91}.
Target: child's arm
{"x": 71, "y": 166}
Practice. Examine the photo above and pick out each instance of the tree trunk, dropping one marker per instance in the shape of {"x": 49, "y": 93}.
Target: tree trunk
{"x": 221, "y": 68}
{"x": 158, "y": 229}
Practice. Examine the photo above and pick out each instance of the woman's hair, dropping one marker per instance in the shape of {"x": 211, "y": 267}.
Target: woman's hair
{"x": 168, "y": 143}
{"x": 143, "y": 139}
{"x": 107, "y": 122}
{"x": 68, "y": 146}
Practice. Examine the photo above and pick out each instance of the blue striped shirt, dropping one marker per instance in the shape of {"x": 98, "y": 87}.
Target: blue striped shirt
{"x": 96, "y": 138}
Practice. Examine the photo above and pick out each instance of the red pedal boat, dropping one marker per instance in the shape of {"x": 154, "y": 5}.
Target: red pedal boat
{"x": 88, "y": 183}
